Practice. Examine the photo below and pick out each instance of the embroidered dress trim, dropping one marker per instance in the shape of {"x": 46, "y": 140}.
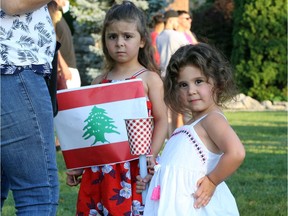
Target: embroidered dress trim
{"x": 194, "y": 142}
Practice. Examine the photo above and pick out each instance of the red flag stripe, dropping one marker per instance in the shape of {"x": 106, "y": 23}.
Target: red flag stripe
{"x": 100, "y": 155}
{"x": 95, "y": 96}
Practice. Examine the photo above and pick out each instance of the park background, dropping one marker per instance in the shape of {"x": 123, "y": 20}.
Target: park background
{"x": 251, "y": 33}
{"x": 253, "y": 36}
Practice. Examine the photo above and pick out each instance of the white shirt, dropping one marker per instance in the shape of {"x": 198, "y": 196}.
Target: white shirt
{"x": 27, "y": 39}
{"x": 168, "y": 41}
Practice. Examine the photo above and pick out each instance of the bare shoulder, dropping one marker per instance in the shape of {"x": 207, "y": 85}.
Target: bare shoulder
{"x": 98, "y": 79}
{"x": 216, "y": 115}
{"x": 151, "y": 80}
{"x": 150, "y": 77}
{"x": 215, "y": 121}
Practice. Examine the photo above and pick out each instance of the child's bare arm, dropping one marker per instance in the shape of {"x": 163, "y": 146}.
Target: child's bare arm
{"x": 225, "y": 138}
{"x": 159, "y": 112}
{"x": 227, "y": 141}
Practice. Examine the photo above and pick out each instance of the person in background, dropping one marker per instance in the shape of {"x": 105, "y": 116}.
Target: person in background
{"x": 67, "y": 67}
{"x": 202, "y": 154}
{"x": 110, "y": 189}
{"x": 68, "y": 75}
{"x": 28, "y": 157}
{"x": 158, "y": 26}
{"x": 185, "y": 22}
{"x": 168, "y": 41}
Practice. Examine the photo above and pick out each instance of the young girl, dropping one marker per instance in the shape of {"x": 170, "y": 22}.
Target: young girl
{"x": 200, "y": 155}
{"x": 111, "y": 189}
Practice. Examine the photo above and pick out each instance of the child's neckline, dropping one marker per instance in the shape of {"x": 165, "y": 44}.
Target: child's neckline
{"x": 191, "y": 121}
{"x": 137, "y": 73}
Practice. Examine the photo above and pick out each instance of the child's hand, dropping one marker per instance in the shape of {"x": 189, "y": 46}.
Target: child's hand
{"x": 151, "y": 162}
{"x": 72, "y": 178}
{"x": 204, "y": 192}
{"x": 142, "y": 183}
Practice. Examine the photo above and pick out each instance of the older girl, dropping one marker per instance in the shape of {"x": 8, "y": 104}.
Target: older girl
{"x": 111, "y": 189}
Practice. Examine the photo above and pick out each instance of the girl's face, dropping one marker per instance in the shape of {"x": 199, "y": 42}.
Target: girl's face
{"x": 195, "y": 91}
{"x": 123, "y": 41}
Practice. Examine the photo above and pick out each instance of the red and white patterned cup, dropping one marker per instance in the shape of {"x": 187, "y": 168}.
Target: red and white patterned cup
{"x": 139, "y": 133}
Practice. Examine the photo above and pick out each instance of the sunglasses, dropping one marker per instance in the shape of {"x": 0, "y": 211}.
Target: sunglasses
{"x": 187, "y": 18}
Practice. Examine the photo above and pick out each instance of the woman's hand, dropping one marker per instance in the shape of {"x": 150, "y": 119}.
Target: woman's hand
{"x": 72, "y": 178}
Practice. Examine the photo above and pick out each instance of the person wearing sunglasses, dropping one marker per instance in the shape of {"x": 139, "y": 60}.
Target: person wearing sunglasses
{"x": 185, "y": 22}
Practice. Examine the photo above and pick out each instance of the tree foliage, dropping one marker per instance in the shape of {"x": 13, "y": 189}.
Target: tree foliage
{"x": 213, "y": 24}
{"x": 260, "y": 48}
{"x": 155, "y": 6}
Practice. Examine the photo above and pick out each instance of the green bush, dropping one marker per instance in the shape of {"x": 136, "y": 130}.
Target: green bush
{"x": 260, "y": 48}
{"x": 213, "y": 24}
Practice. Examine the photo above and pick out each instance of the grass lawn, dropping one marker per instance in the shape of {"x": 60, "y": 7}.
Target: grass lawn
{"x": 259, "y": 186}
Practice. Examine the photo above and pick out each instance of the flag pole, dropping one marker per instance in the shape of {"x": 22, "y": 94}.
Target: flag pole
{"x": 143, "y": 174}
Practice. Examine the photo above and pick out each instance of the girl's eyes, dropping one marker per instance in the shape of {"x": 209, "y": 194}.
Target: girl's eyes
{"x": 128, "y": 36}
{"x": 198, "y": 81}
{"x": 115, "y": 36}
{"x": 184, "y": 85}
{"x": 111, "y": 37}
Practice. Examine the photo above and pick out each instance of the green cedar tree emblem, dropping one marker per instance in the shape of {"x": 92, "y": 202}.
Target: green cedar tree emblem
{"x": 98, "y": 123}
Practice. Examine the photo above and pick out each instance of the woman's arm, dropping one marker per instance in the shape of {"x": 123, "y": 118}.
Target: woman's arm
{"x": 63, "y": 67}
{"x": 11, "y": 7}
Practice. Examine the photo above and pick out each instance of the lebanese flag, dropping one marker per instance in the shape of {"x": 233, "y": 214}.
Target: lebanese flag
{"x": 90, "y": 123}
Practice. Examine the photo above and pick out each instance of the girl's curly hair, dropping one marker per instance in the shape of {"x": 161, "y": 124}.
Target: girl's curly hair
{"x": 212, "y": 64}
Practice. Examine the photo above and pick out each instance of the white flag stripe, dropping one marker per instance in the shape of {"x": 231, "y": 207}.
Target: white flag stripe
{"x": 69, "y": 124}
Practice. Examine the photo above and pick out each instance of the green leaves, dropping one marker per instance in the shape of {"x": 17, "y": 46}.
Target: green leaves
{"x": 259, "y": 51}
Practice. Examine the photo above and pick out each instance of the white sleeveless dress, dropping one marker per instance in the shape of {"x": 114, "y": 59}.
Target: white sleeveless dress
{"x": 184, "y": 160}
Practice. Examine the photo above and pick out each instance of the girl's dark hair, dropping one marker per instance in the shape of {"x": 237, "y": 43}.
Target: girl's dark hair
{"x": 128, "y": 12}
{"x": 212, "y": 64}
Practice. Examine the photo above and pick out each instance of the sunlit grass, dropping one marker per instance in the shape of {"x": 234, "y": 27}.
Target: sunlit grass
{"x": 259, "y": 186}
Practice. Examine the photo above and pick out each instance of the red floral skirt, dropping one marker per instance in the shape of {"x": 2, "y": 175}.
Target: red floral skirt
{"x": 110, "y": 190}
